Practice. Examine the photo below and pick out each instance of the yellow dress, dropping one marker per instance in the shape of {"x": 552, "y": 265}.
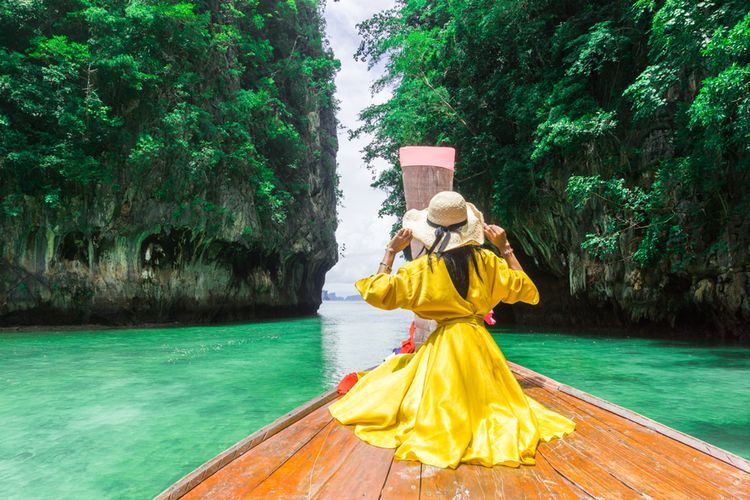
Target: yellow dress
{"x": 454, "y": 399}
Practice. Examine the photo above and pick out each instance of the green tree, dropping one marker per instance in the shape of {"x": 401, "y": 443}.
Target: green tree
{"x": 166, "y": 98}
{"x": 618, "y": 131}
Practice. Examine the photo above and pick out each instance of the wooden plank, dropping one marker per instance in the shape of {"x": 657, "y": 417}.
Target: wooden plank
{"x": 403, "y": 480}
{"x": 721, "y": 473}
{"x": 580, "y": 469}
{"x": 548, "y": 482}
{"x": 643, "y": 472}
{"x": 192, "y": 479}
{"x": 574, "y": 465}
{"x": 555, "y": 489}
{"x": 246, "y": 472}
{"x": 512, "y": 483}
{"x": 705, "y": 448}
{"x": 477, "y": 481}
{"x": 685, "y": 461}
{"x": 362, "y": 474}
{"x": 681, "y": 456}
{"x": 311, "y": 466}
{"x": 459, "y": 483}
{"x": 530, "y": 376}
{"x": 702, "y": 446}
{"x": 532, "y": 481}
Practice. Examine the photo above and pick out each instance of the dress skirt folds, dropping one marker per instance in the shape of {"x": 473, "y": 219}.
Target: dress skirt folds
{"x": 455, "y": 399}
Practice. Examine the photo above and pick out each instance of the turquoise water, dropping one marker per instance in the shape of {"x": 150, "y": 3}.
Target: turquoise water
{"x": 125, "y": 413}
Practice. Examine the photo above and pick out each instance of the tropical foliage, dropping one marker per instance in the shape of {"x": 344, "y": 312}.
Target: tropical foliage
{"x": 171, "y": 99}
{"x": 631, "y": 118}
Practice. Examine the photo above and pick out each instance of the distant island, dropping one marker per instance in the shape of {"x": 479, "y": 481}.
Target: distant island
{"x": 326, "y": 295}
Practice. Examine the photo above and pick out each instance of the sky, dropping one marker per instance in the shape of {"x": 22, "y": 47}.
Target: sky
{"x": 361, "y": 234}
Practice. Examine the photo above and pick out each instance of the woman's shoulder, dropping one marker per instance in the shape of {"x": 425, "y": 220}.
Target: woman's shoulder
{"x": 487, "y": 254}
{"x": 490, "y": 259}
{"x": 415, "y": 264}
{"x": 484, "y": 252}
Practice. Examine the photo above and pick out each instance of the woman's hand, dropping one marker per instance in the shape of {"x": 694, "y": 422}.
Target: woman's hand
{"x": 496, "y": 235}
{"x": 499, "y": 238}
{"x": 397, "y": 243}
{"x": 400, "y": 241}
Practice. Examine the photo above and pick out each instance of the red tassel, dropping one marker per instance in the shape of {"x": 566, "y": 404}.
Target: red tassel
{"x": 489, "y": 318}
{"x": 347, "y": 382}
{"x": 407, "y": 345}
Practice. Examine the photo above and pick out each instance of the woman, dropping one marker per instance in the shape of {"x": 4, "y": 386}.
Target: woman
{"x": 454, "y": 400}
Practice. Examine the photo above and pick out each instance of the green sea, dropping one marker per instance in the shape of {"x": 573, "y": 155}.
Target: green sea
{"x": 126, "y": 412}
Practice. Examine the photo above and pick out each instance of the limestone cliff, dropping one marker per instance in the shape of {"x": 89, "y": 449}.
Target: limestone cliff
{"x": 132, "y": 266}
{"x": 219, "y": 192}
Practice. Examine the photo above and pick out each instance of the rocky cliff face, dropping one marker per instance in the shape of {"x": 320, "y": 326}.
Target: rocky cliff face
{"x": 586, "y": 293}
{"x": 146, "y": 245}
{"x": 131, "y": 266}
{"x": 705, "y": 294}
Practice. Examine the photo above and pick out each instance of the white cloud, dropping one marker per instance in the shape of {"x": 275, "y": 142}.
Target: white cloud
{"x": 361, "y": 233}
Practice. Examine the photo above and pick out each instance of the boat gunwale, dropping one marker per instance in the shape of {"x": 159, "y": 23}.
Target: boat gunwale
{"x": 215, "y": 464}
{"x": 707, "y": 448}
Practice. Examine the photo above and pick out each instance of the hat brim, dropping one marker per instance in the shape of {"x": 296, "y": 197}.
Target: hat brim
{"x": 471, "y": 233}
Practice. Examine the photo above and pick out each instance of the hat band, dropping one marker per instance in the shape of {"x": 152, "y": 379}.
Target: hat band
{"x": 443, "y": 234}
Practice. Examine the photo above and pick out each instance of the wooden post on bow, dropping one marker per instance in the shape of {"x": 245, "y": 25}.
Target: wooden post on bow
{"x": 426, "y": 171}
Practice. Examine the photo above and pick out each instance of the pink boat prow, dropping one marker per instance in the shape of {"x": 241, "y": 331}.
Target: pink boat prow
{"x": 436, "y": 156}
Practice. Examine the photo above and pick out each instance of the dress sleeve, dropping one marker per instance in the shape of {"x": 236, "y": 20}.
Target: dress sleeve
{"x": 509, "y": 285}
{"x": 387, "y": 291}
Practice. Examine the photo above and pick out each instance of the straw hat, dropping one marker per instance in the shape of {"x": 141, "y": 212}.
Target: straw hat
{"x": 448, "y": 222}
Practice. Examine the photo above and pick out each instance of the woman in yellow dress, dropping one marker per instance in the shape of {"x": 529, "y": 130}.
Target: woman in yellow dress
{"x": 454, "y": 400}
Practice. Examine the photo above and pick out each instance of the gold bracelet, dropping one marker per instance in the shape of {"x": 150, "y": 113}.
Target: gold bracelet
{"x": 386, "y": 266}
{"x": 507, "y": 251}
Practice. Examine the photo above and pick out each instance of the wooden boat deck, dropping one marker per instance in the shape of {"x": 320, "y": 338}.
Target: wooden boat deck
{"x": 613, "y": 453}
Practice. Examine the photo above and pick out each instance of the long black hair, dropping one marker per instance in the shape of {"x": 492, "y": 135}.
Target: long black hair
{"x": 457, "y": 263}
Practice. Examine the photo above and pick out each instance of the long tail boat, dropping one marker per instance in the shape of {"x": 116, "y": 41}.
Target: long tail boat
{"x": 613, "y": 453}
